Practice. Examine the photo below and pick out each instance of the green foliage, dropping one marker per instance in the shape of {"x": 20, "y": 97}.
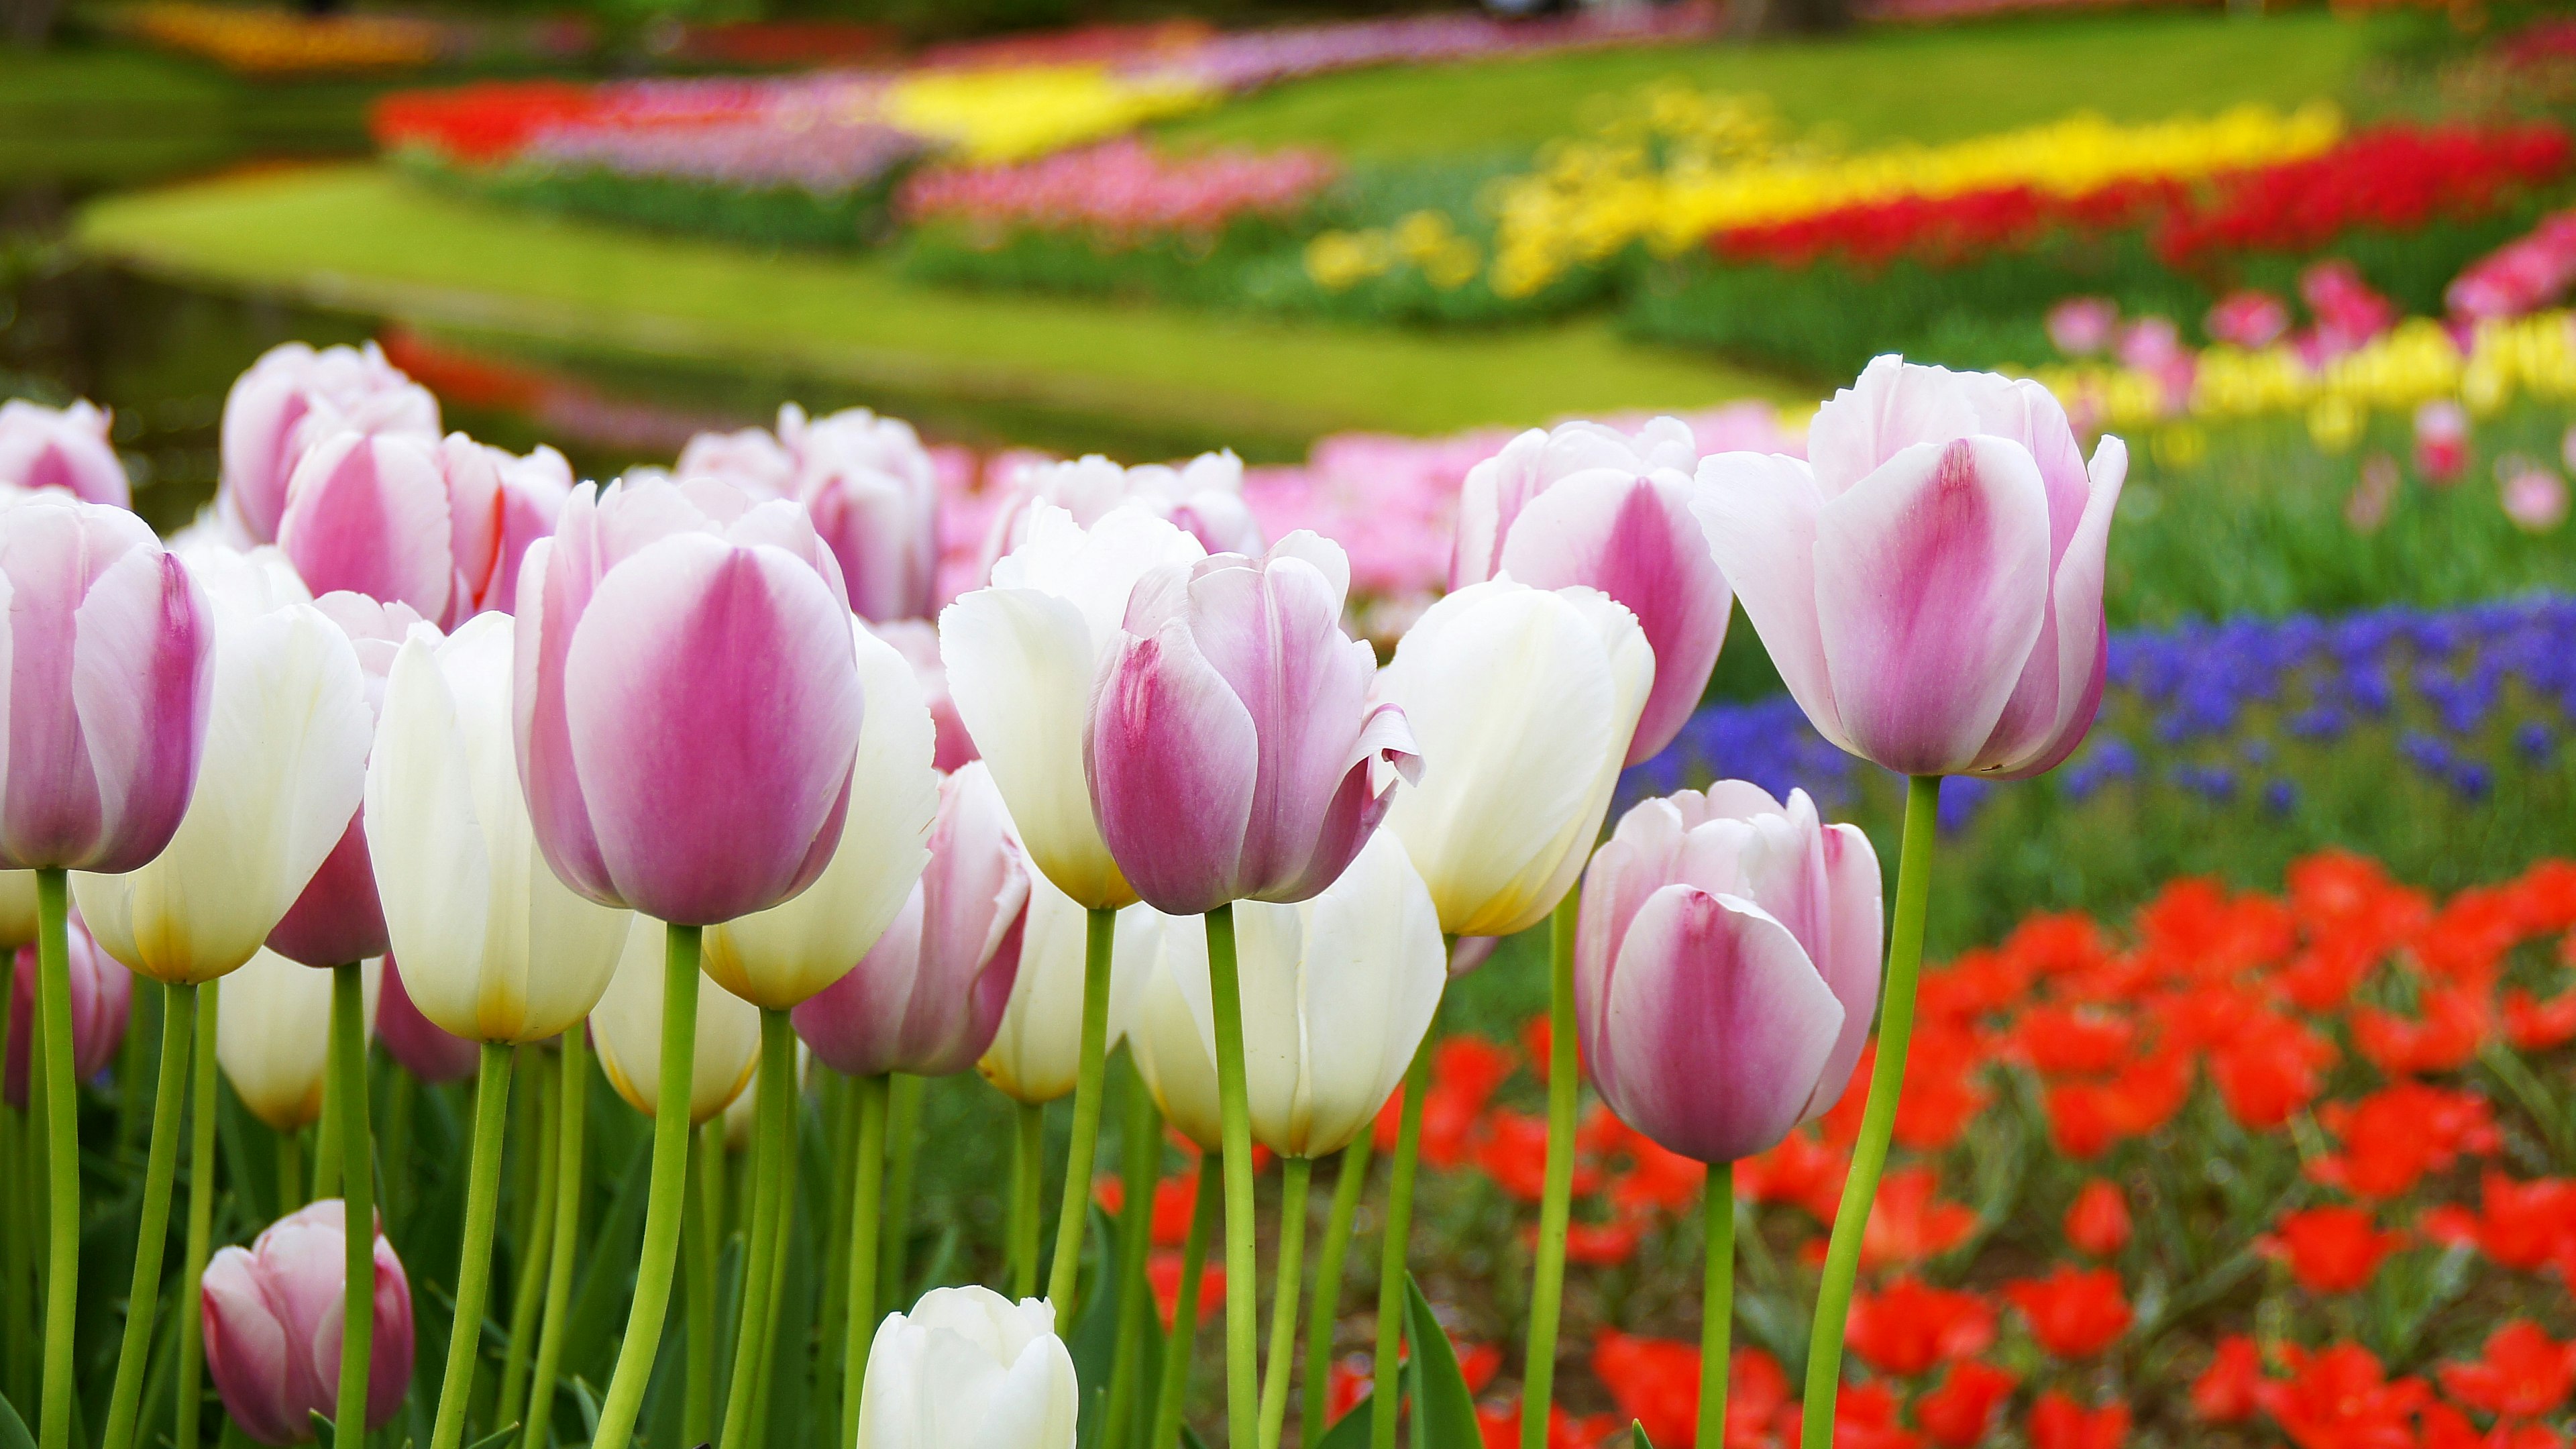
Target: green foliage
{"x": 756, "y": 216}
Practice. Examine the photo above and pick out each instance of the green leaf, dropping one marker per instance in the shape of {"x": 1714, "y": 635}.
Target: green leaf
{"x": 1190, "y": 1437}
{"x": 496, "y": 1438}
{"x": 1637, "y": 1436}
{"x": 1444, "y": 1412}
{"x": 13, "y": 1430}
{"x": 1350, "y": 1431}
{"x": 324, "y": 1434}
{"x": 588, "y": 1399}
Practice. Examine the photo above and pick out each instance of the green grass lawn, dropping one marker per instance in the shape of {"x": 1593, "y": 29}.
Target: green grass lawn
{"x": 362, "y": 238}
{"x": 1931, "y": 84}
{"x": 110, "y": 114}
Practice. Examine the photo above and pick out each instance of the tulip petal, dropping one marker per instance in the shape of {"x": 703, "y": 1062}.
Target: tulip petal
{"x": 714, "y": 709}
{"x": 423, "y": 826}
{"x": 1173, "y": 758}
{"x": 1931, "y": 583}
{"x": 246, "y": 1350}
{"x": 1370, "y": 973}
{"x": 1760, "y": 512}
{"x": 554, "y": 584}
{"x": 142, "y": 686}
{"x": 1849, "y": 961}
{"x": 370, "y": 515}
{"x": 1892, "y": 406}
{"x": 1635, "y": 539}
{"x": 1716, "y": 1026}
{"x": 2061, "y": 686}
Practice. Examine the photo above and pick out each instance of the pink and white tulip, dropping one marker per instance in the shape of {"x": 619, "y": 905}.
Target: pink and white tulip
{"x": 870, "y": 485}
{"x": 430, "y": 1052}
{"x": 293, "y": 398}
{"x": 61, "y": 448}
{"x": 928, "y": 996}
{"x": 102, "y": 1000}
{"x": 106, "y": 690}
{"x": 1589, "y": 505}
{"x": 273, "y": 1321}
{"x": 1930, "y": 581}
{"x": 1726, "y": 967}
{"x": 1202, "y": 497}
{"x": 338, "y": 918}
{"x": 1234, "y": 753}
{"x": 917, "y": 640}
{"x": 439, "y": 526}
{"x": 687, "y": 699}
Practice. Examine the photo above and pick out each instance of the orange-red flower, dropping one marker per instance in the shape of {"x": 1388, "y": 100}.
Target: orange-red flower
{"x": 1655, "y": 1382}
{"x": 2268, "y": 1068}
{"x": 2225, "y": 1391}
{"x": 2074, "y": 1313}
{"x": 2332, "y": 1249}
{"x": 1907, "y": 1328}
{"x": 2098, "y": 1222}
{"x": 2392, "y": 1137}
{"x": 2524, "y": 1225}
{"x": 2340, "y": 1398}
{"x": 1908, "y": 1224}
{"x": 1959, "y": 1413}
{"x": 2524, "y": 1374}
{"x": 2058, "y": 1422}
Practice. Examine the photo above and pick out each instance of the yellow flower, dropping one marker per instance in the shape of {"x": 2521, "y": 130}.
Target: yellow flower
{"x": 1023, "y": 111}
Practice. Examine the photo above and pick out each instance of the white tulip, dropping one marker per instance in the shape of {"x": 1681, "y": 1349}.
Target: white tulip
{"x": 1037, "y": 1051}
{"x": 286, "y": 744}
{"x": 969, "y": 1369}
{"x": 17, "y": 908}
{"x": 626, "y": 1027}
{"x": 273, "y": 1036}
{"x": 1523, "y": 701}
{"x": 778, "y": 957}
{"x": 1337, "y": 992}
{"x": 1021, "y": 656}
{"x": 493, "y": 946}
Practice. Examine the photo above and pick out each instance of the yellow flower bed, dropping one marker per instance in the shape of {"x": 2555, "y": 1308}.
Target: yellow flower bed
{"x": 272, "y": 42}
{"x": 1018, "y": 112}
{"x": 2412, "y": 365}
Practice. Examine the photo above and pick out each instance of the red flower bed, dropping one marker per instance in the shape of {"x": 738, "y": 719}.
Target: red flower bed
{"x": 481, "y": 123}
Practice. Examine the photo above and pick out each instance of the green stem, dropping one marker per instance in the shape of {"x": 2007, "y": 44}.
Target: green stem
{"x": 790, "y": 1108}
{"x": 662, "y": 1208}
{"x": 1717, "y": 1301}
{"x": 1294, "y": 1174}
{"x": 1242, "y": 1267}
{"x": 1391, "y": 1252}
{"x": 358, "y": 1201}
{"x": 868, "y": 1181}
{"x": 572, "y": 1100}
{"x": 201, "y": 1222}
{"x": 1348, "y": 1184}
{"x": 474, "y": 1256}
{"x": 1177, "y": 1345}
{"x": 152, "y": 1235}
{"x": 776, "y": 1088}
{"x": 840, "y": 1113}
{"x": 903, "y": 1143}
{"x": 1028, "y": 1172}
{"x": 1878, "y": 1118}
{"x": 326, "y": 1132}
{"x": 705, "y": 1228}
{"x": 290, "y": 1170}
{"x": 1141, "y": 1150}
{"x": 1564, "y": 1081}
{"x": 13, "y": 1233}
{"x": 393, "y": 1152}
{"x": 62, "y": 1153}
{"x": 537, "y": 1247}
{"x": 1065, "y": 1276}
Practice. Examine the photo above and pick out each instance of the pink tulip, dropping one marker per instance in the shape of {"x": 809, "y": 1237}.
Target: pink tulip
{"x": 102, "y": 999}
{"x": 109, "y": 676}
{"x": 2248, "y": 318}
{"x": 1589, "y": 505}
{"x": 440, "y": 526}
{"x": 338, "y": 919}
{"x": 1203, "y": 497}
{"x": 2441, "y": 441}
{"x": 927, "y": 998}
{"x": 1233, "y": 752}
{"x": 425, "y": 1049}
{"x": 2082, "y": 326}
{"x": 2534, "y": 497}
{"x": 1930, "y": 584}
{"x": 686, "y": 745}
{"x": 917, "y": 640}
{"x": 1726, "y": 967}
{"x": 65, "y": 448}
{"x": 273, "y": 1320}
{"x": 289, "y": 401}
{"x": 875, "y": 499}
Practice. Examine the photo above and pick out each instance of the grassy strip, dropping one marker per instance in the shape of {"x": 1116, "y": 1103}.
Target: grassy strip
{"x": 360, "y": 238}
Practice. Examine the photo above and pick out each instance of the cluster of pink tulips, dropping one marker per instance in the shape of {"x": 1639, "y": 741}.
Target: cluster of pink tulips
{"x": 414, "y": 731}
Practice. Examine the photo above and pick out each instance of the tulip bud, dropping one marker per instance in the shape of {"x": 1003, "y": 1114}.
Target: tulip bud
{"x": 687, "y": 699}
{"x": 338, "y": 918}
{"x": 102, "y": 1000}
{"x": 1203, "y": 498}
{"x": 626, "y": 1027}
{"x": 440, "y": 526}
{"x": 917, "y": 640}
{"x": 289, "y": 401}
{"x": 284, "y": 765}
{"x": 273, "y": 1317}
{"x": 1929, "y": 581}
{"x": 1022, "y": 656}
{"x": 1502, "y": 820}
{"x": 427, "y": 1050}
{"x": 1337, "y": 992}
{"x": 928, "y": 995}
{"x": 1726, "y": 967}
{"x": 1233, "y": 752}
{"x": 107, "y": 689}
{"x": 63, "y": 448}
{"x": 968, "y": 1367}
{"x": 495, "y": 947}
{"x": 273, "y": 1036}
{"x": 1587, "y": 505}
{"x": 782, "y": 956}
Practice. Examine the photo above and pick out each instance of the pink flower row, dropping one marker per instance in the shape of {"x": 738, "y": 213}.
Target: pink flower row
{"x": 1123, "y": 187}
